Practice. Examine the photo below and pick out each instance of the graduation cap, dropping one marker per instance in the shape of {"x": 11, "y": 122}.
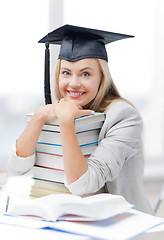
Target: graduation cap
{"x": 76, "y": 43}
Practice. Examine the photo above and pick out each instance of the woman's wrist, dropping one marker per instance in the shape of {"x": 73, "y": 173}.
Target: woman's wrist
{"x": 67, "y": 122}
{"x": 41, "y": 115}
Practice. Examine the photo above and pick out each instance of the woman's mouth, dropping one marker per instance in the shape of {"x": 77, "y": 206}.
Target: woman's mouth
{"x": 75, "y": 94}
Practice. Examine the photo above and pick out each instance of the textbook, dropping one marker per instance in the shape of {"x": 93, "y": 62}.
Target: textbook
{"x": 53, "y": 149}
{"x": 51, "y": 160}
{"x": 49, "y": 184}
{"x": 40, "y": 191}
{"x": 42, "y": 188}
{"x": 50, "y": 174}
{"x": 130, "y": 224}
{"x": 56, "y": 207}
{"x": 83, "y": 123}
{"x": 84, "y": 138}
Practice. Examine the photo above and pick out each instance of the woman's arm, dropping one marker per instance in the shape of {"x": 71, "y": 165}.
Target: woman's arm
{"x": 75, "y": 164}
{"x": 119, "y": 140}
{"x": 26, "y": 143}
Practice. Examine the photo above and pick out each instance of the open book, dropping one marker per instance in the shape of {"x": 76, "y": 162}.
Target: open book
{"x": 71, "y": 207}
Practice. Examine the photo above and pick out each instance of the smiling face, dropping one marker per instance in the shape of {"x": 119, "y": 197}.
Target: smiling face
{"x": 79, "y": 80}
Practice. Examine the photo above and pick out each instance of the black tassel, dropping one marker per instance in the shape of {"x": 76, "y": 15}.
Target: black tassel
{"x": 47, "y": 90}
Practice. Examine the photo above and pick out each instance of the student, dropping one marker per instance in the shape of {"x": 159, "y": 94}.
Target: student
{"x": 84, "y": 85}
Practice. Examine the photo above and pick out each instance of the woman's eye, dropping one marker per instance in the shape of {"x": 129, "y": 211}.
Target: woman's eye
{"x": 85, "y": 74}
{"x": 65, "y": 73}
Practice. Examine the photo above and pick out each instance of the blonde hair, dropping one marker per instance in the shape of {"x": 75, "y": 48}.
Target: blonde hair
{"x": 107, "y": 92}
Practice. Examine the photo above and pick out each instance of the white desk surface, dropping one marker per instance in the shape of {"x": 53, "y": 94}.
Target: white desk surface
{"x": 18, "y": 188}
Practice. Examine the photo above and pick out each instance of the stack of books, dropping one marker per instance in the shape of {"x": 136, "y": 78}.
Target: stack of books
{"x": 49, "y": 168}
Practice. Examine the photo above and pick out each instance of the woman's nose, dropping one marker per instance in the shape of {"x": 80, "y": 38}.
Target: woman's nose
{"x": 74, "y": 83}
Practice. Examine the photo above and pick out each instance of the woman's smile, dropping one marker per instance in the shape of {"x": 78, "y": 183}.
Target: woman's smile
{"x": 75, "y": 94}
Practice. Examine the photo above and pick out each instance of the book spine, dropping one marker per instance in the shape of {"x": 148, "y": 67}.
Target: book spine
{"x": 47, "y": 173}
{"x": 47, "y": 181}
{"x": 52, "y": 161}
{"x": 86, "y": 152}
{"x": 49, "y": 166}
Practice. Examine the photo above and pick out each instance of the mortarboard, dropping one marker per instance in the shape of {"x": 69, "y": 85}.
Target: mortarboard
{"x": 76, "y": 43}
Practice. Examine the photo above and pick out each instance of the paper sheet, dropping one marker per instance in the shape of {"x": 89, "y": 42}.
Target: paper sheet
{"x": 122, "y": 227}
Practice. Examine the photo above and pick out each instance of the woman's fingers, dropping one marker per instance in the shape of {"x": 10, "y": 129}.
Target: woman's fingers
{"x": 87, "y": 112}
{"x": 71, "y": 109}
{"x": 62, "y": 100}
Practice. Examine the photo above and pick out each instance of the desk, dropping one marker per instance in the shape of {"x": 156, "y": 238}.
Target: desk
{"x": 156, "y": 233}
{"x": 18, "y": 188}
{"x": 19, "y": 233}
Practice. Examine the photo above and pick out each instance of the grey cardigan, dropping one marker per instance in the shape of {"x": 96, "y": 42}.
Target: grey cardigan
{"x": 117, "y": 162}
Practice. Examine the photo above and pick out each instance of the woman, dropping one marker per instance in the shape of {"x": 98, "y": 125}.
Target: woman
{"x": 84, "y": 85}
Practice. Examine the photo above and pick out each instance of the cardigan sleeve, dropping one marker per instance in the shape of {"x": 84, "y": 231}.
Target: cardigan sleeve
{"x": 18, "y": 164}
{"x": 119, "y": 140}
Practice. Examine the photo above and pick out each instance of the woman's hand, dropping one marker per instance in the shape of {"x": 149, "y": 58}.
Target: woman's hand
{"x": 45, "y": 113}
{"x": 67, "y": 110}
